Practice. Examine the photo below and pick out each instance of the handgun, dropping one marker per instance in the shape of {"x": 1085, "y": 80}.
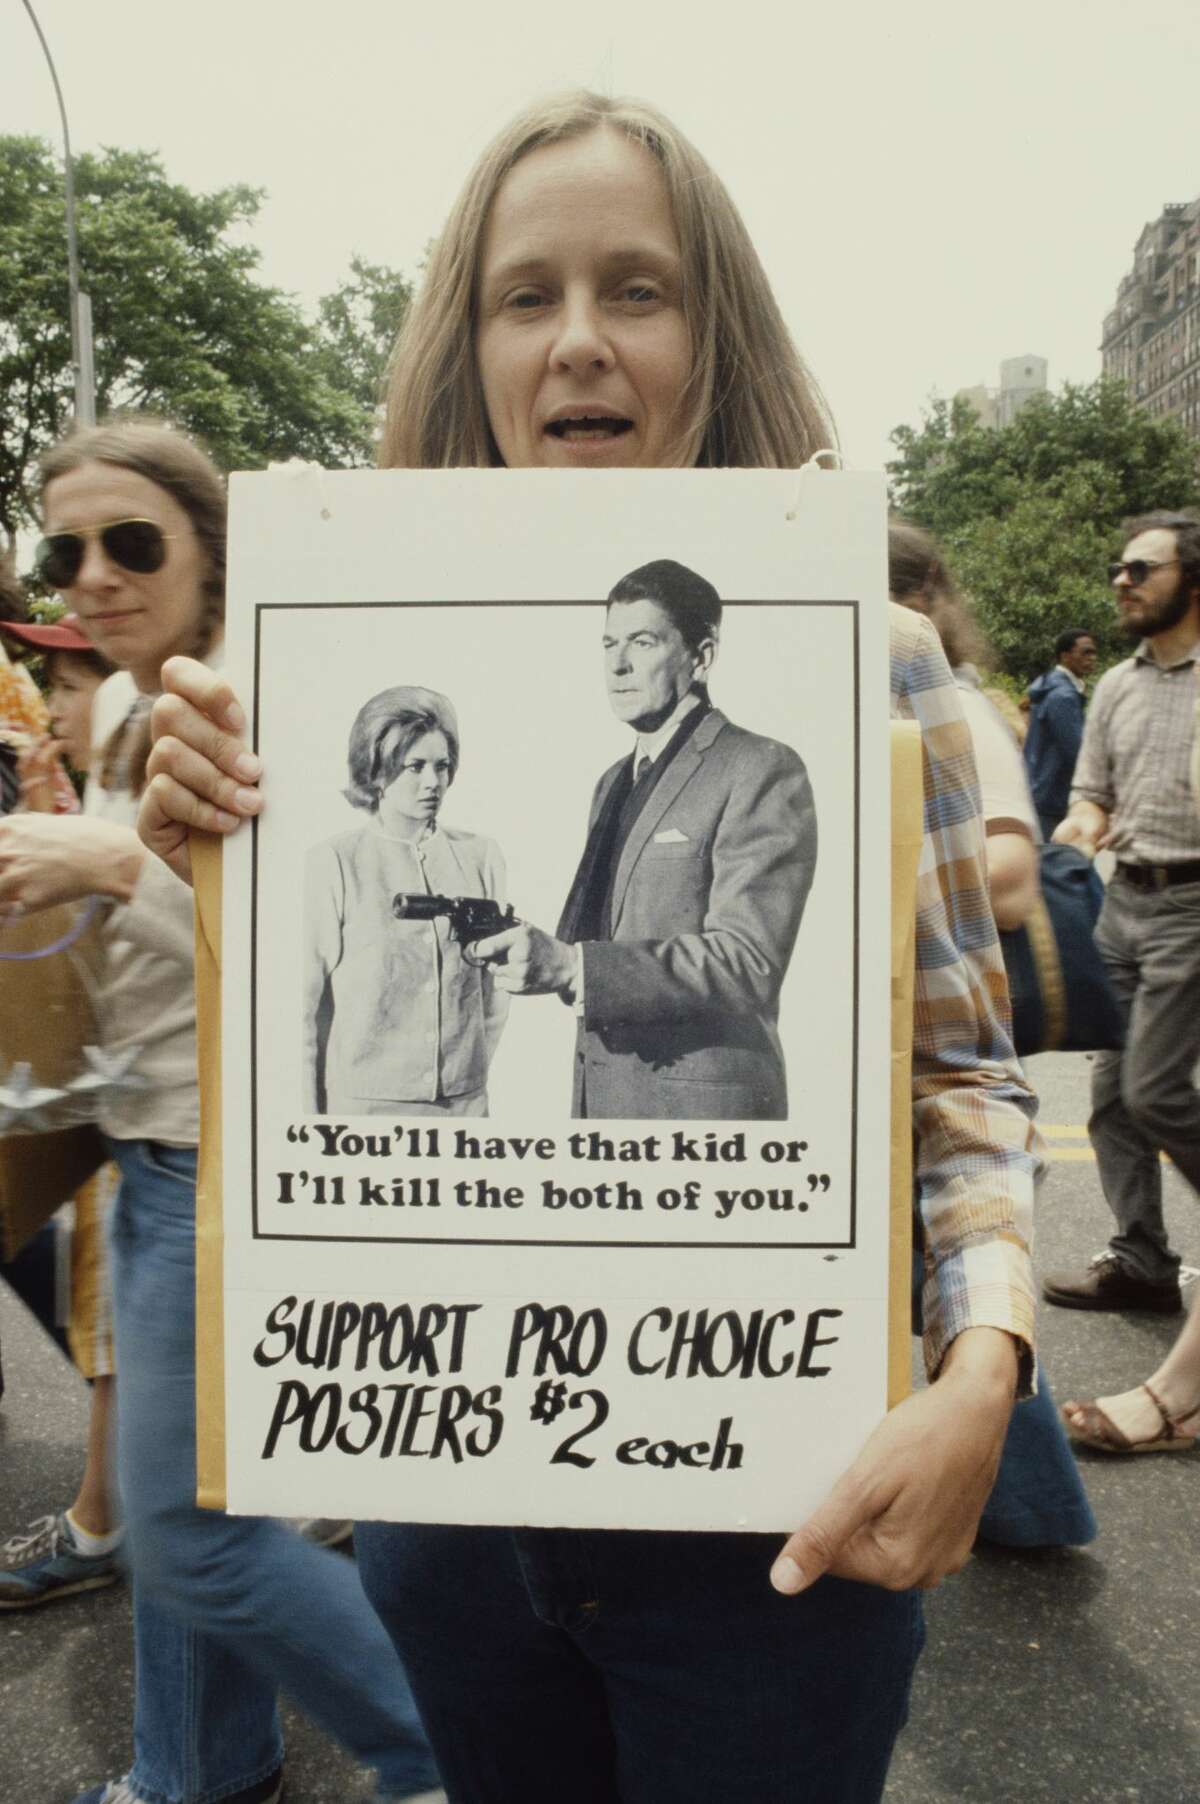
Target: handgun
{"x": 471, "y": 917}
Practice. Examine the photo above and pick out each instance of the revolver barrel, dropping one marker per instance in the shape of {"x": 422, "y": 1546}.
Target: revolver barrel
{"x": 471, "y": 917}
{"x": 419, "y": 908}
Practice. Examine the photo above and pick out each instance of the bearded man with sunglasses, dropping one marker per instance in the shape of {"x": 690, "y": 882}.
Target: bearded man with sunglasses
{"x": 1132, "y": 793}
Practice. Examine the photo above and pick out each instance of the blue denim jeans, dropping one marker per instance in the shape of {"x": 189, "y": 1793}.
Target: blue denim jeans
{"x": 1038, "y": 1499}
{"x": 556, "y": 1665}
{"x": 226, "y": 1609}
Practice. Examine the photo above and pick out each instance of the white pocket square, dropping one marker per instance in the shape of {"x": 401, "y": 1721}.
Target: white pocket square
{"x": 670, "y": 836}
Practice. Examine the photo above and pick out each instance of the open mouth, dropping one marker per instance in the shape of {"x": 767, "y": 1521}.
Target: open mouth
{"x": 589, "y": 426}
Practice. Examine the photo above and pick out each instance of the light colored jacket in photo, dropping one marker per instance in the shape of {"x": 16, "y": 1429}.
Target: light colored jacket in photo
{"x": 392, "y": 1012}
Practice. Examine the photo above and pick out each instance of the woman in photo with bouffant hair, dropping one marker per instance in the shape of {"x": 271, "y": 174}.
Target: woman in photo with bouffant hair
{"x": 397, "y": 1019}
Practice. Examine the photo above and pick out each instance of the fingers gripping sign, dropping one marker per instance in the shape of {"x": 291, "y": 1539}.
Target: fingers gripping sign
{"x": 906, "y": 1512}
{"x": 200, "y": 773}
{"x": 526, "y": 961}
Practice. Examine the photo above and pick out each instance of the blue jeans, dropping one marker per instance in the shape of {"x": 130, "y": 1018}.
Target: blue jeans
{"x": 558, "y": 1664}
{"x": 226, "y": 1609}
{"x": 1038, "y": 1499}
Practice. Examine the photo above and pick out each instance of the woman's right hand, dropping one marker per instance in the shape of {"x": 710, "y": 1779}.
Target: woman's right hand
{"x": 200, "y": 773}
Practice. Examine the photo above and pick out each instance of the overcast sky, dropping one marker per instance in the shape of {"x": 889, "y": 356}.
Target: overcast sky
{"x": 932, "y": 186}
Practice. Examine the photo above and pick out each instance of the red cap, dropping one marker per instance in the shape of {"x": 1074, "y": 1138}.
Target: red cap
{"x": 63, "y": 635}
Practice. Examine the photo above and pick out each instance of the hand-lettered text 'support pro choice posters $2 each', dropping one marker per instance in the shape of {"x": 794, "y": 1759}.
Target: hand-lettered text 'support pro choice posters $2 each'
{"x": 620, "y": 1260}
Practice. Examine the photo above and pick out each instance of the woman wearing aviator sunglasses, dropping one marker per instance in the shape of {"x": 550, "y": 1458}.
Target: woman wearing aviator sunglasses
{"x": 139, "y": 546}
{"x": 135, "y": 537}
{"x": 144, "y": 583}
{"x": 133, "y": 578}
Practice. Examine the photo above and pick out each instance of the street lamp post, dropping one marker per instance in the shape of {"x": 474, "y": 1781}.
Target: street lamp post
{"x": 80, "y": 304}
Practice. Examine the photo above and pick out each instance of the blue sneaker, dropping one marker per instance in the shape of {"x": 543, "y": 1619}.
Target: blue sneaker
{"x": 46, "y": 1563}
{"x": 117, "y": 1791}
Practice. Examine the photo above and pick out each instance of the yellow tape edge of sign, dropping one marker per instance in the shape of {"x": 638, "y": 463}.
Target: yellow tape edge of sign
{"x": 908, "y": 819}
{"x": 210, "y": 1275}
{"x": 907, "y": 815}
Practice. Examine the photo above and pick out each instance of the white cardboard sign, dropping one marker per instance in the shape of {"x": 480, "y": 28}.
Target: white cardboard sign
{"x": 654, "y": 1321}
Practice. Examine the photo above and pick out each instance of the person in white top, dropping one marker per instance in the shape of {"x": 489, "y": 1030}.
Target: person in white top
{"x": 918, "y": 579}
{"x": 134, "y": 516}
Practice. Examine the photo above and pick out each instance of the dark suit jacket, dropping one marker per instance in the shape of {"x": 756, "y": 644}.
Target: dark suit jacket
{"x": 680, "y": 1007}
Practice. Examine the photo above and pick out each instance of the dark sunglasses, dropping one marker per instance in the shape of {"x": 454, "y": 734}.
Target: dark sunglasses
{"x": 136, "y": 545}
{"x": 1137, "y": 569}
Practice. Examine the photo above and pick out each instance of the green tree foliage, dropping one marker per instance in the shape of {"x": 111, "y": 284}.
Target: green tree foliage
{"x": 358, "y": 324}
{"x": 1030, "y": 513}
{"x": 182, "y": 326}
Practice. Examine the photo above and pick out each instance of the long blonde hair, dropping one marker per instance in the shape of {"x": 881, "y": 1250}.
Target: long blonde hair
{"x": 750, "y": 400}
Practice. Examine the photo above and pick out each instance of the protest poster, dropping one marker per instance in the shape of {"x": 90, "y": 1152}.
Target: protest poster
{"x": 623, "y": 1261}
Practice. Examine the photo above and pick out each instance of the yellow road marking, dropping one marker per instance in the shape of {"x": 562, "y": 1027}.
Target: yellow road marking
{"x": 1067, "y": 1153}
{"x": 1053, "y": 1131}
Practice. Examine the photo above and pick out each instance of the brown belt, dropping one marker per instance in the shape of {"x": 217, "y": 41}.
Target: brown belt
{"x": 1161, "y": 876}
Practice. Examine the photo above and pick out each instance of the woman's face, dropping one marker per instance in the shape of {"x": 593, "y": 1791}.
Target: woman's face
{"x": 134, "y": 620}
{"x": 414, "y": 795}
{"x": 73, "y": 686}
{"x": 582, "y": 345}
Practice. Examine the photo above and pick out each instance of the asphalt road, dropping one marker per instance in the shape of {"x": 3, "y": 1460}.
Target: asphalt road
{"x": 1066, "y": 1676}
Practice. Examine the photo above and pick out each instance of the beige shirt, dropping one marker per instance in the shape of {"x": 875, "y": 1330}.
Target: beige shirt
{"x": 1136, "y": 759}
{"x": 146, "y": 1007}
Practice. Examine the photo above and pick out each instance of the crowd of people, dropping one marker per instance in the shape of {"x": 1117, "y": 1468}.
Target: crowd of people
{"x": 593, "y": 277}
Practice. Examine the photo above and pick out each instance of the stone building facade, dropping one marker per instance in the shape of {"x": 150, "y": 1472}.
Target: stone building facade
{"x": 1151, "y": 339}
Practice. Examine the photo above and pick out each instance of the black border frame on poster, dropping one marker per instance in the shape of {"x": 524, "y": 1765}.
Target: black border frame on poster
{"x": 407, "y": 1240}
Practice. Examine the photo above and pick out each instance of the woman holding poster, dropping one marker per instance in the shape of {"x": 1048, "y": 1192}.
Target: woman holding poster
{"x": 398, "y": 1017}
{"x": 594, "y": 301}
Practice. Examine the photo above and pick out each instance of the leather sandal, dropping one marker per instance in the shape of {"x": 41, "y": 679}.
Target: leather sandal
{"x": 1099, "y": 1431}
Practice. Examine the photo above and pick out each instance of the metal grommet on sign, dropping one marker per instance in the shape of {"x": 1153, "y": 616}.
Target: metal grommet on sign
{"x": 813, "y": 467}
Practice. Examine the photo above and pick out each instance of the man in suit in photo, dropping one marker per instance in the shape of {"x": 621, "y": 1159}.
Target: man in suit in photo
{"x": 680, "y": 922}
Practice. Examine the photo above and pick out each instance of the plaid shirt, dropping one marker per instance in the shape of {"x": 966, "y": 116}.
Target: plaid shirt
{"x": 1136, "y": 758}
{"x": 977, "y": 1156}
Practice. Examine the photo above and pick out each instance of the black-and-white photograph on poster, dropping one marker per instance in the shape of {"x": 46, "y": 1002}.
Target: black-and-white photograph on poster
{"x": 556, "y": 983}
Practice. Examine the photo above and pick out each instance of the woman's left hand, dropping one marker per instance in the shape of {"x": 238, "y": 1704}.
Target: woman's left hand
{"x": 907, "y": 1510}
{"x": 48, "y": 858}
